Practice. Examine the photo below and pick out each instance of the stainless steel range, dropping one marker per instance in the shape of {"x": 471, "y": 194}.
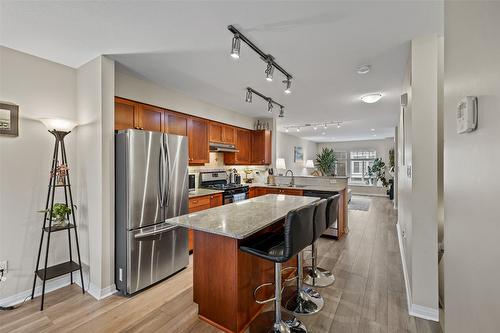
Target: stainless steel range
{"x": 218, "y": 180}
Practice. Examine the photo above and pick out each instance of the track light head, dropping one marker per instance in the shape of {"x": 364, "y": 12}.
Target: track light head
{"x": 338, "y": 125}
{"x": 248, "y": 97}
{"x": 235, "y": 47}
{"x": 270, "y": 105}
{"x": 298, "y": 129}
{"x": 282, "y": 113}
{"x": 269, "y": 71}
{"x": 288, "y": 83}
{"x": 325, "y": 126}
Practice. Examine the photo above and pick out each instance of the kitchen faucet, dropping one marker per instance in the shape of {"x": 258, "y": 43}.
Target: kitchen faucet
{"x": 292, "y": 181}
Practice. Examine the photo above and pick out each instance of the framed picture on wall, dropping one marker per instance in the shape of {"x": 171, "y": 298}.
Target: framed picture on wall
{"x": 298, "y": 154}
{"x": 9, "y": 119}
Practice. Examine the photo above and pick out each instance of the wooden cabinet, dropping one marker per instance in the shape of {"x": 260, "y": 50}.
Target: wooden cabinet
{"x": 149, "y": 118}
{"x": 252, "y": 192}
{"x": 125, "y": 111}
{"x": 175, "y": 123}
{"x": 221, "y": 133}
{"x": 261, "y": 147}
{"x": 130, "y": 114}
{"x": 258, "y": 191}
{"x": 198, "y": 204}
{"x": 243, "y": 144}
{"x": 215, "y": 200}
{"x": 198, "y": 140}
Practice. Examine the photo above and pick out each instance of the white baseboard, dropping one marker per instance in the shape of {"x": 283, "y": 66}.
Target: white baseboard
{"x": 414, "y": 309}
{"x": 58, "y": 283}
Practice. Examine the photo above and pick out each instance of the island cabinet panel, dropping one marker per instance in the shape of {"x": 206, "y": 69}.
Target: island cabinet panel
{"x": 175, "y": 123}
{"x": 243, "y": 144}
{"x": 125, "y": 113}
{"x": 198, "y": 140}
{"x": 252, "y": 192}
{"x": 223, "y": 285}
{"x": 261, "y": 148}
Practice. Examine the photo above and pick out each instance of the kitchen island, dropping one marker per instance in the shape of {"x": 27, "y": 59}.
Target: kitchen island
{"x": 224, "y": 278}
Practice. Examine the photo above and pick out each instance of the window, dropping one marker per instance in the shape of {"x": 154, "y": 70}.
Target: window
{"x": 360, "y": 161}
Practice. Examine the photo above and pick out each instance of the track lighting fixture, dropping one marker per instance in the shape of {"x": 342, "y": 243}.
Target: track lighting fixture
{"x": 315, "y": 126}
{"x": 248, "y": 97}
{"x": 238, "y": 37}
{"x": 235, "y": 47}
{"x": 269, "y": 71}
{"x": 270, "y": 102}
{"x": 270, "y": 105}
{"x": 338, "y": 125}
{"x": 288, "y": 83}
{"x": 325, "y": 126}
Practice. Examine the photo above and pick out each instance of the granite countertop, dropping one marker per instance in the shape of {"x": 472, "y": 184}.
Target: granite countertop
{"x": 200, "y": 192}
{"x": 244, "y": 218}
{"x": 329, "y": 187}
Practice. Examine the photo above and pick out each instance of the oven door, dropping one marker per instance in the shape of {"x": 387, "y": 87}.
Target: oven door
{"x": 234, "y": 197}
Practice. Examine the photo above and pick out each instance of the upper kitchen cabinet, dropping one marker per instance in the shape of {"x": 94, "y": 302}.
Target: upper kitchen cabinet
{"x": 221, "y": 133}
{"x": 129, "y": 114}
{"x": 198, "y": 140}
{"x": 150, "y": 118}
{"x": 243, "y": 144}
{"x": 261, "y": 147}
{"x": 125, "y": 112}
{"x": 175, "y": 123}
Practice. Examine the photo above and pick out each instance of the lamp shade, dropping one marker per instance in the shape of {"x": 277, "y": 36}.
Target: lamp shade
{"x": 309, "y": 164}
{"x": 280, "y": 163}
{"x": 58, "y": 124}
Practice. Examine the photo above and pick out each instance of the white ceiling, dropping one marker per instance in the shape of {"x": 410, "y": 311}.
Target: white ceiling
{"x": 185, "y": 46}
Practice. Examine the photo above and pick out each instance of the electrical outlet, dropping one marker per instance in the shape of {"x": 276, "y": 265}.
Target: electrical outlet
{"x": 3, "y": 265}
{"x": 333, "y": 181}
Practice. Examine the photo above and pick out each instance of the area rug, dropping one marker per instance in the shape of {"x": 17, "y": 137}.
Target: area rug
{"x": 360, "y": 203}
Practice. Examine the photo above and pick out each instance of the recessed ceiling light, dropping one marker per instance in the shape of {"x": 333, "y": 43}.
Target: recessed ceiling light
{"x": 371, "y": 98}
{"x": 323, "y": 133}
{"x": 363, "y": 69}
{"x": 373, "y": 129}
{"x": 298, "y": 129}
{"x": 315, "y": 127}
{"x": 286, "y": 130}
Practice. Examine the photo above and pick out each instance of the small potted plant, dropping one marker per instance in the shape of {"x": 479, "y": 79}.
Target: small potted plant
{"x": 60, "y": 213}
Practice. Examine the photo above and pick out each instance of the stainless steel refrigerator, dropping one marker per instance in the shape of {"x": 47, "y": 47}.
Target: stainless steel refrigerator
{"x": 151, "y": 185}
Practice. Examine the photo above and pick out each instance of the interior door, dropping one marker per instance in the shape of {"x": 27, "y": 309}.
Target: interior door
{"x": 143, "y": 178}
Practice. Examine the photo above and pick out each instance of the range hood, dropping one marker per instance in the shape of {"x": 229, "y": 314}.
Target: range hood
{"x": 223, "y": 147}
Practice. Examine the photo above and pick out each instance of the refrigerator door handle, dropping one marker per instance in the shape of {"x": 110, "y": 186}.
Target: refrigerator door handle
{"x": 160, "y": 175}
{"x": 154, "y": 233}
{"x": 166, "y": 178}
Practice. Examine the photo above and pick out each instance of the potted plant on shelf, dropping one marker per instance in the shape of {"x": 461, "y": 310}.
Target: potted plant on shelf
{"x": 378, "y": 169}
{"x": 325, "y": 162}
{"x": 60, "y": 212}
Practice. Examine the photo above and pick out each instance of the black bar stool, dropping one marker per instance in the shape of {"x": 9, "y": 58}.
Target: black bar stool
{"x": 316, "y": 276}
{"x": 304, "y": 300}
{"x": 280, "y": 248}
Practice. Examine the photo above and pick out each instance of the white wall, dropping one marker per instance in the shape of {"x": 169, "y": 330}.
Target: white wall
{"x": 95, "y": 104}
{"x": 135, "y": 88}
{"x": 381, "y": 146}
{"x": 418, "y": 178}
{"x": 472, "y": 210}
{"x": 285, "y": 144}
{"x": 41, "y": 89}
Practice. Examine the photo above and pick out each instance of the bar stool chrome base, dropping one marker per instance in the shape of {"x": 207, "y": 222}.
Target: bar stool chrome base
{"x": 265, "y": 323}
{"x": 305, "y": 302}
{"x": 319, "y": 277}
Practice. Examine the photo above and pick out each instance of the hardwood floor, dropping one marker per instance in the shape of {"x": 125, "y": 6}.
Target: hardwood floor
{"x": 367, "y": 296}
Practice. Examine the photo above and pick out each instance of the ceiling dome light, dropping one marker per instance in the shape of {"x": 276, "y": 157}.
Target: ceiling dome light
{"x": 269, "y": 71}
{"x": 286, "y": 130}
{"x": 298, "y": 129}
{"x": 363, "y": 69}
{"x": 373, "y": 129}
{"x": 371, "y": 98}
{"x": 288, "y": 83}
{"x": 235, "y": 47}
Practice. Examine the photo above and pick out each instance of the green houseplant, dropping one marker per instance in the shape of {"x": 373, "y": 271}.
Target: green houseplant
{"x": 60, "y": 212}
{"x": 325, "y": 162}
{"x": 378, "y": 168}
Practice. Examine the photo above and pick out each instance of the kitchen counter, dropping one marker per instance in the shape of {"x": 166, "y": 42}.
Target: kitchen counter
{"x": 200, "y": 192}
{"x": 242, "y": 219}
{"x": 337, "y": 187}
